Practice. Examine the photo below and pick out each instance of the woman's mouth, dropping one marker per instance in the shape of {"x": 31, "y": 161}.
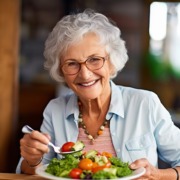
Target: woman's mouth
{"x": 87, "y": 84}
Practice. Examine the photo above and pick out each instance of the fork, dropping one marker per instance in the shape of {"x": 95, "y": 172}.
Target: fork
{"x": 27, "y": 130}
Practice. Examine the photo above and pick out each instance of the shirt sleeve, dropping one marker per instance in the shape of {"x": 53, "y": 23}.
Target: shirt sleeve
{"x": 47, "y": 127}
{"x": 166, "y": 133}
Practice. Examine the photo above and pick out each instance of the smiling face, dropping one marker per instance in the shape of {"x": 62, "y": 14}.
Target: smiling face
{"x": 88, "y": 84}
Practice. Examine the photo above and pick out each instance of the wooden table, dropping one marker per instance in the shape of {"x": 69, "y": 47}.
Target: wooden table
{"x": 11, "y": 176}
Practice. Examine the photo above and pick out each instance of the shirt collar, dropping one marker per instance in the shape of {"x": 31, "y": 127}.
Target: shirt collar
{"x": 72, "y": 107}
{"x": 116, "y": 104}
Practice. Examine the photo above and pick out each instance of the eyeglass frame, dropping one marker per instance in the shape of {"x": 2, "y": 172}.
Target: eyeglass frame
{"x": 85, "y": 62}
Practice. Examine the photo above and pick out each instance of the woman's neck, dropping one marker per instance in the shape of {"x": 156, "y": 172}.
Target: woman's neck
{"x": 95, "y": 108}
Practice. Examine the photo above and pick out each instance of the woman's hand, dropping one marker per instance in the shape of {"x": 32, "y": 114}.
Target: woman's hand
{"x": 152, "y": 173}
{"x": 33, "y": 146}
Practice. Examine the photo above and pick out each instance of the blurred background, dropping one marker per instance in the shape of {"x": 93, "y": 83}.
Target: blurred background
{"x": 150, "y": 28}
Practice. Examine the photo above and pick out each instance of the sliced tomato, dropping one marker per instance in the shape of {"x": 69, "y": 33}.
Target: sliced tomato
{"x": 67, "y": 146}
{"x": 108, "y": 164}
{"x": 107, "y": 154}
{"x": 94, "y": 165}
{"x": 86, "y": 164}
{"x": 75, "y": 173}
{"x": 98, "y": 168}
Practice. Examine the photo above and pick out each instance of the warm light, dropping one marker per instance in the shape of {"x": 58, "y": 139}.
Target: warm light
{"x": 174, "y": 53}
{"x": 158, "y": 20}
{"x": 178, "y": 15}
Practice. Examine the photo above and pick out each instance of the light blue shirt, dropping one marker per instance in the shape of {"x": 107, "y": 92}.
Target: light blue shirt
{"x": 140, "y": 126}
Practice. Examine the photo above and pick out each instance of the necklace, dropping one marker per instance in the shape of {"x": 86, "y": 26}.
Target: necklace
{"x": 82, "y": 124}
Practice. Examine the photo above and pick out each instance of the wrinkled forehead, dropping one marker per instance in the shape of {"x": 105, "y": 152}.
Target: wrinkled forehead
{"x": 87, "y": 45}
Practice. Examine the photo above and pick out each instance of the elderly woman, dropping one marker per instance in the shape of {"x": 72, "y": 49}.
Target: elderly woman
{"x": 85, "y": 52}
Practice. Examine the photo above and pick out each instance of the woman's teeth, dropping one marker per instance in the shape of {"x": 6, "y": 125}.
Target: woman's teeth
{"x": 88, "y": 84}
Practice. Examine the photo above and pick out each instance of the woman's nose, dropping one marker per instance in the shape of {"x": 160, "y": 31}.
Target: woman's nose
{"x": 84, "y": 72}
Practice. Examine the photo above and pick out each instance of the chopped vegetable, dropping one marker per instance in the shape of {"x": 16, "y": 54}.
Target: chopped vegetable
{"x": 79, "y": 145}
{"x": 91, "y": 165}
{"x": 101, "y": 167}
{"x": 103, "y": 175}
{"x": 107, "y": 154}
{"x": 71, "y": 146}
{"x": 91, "y": 154}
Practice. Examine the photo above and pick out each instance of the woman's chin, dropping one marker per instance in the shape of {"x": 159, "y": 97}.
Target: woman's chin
{"x": 91, "y": 97}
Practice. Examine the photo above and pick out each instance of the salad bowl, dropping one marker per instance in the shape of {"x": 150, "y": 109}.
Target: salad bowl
{"x": 41, "y": 172}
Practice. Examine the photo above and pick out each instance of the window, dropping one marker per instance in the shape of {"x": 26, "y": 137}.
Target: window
{"x": 164, "y": 44}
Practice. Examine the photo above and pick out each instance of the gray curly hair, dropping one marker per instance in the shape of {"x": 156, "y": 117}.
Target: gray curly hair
{"x": 71, "y": 28}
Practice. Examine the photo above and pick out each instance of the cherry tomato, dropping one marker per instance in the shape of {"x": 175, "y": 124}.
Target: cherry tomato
{"x": 85, "y": 164}
{"x": 107, "y": 154}
{"x": 75, "y": 173}
{"x": 67, "y": 146}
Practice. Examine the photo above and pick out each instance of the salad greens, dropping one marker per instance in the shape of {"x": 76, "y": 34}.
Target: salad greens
{"x": 104, "y": 175}
{"x": 63, "y": 167}
{"x": 121, "y": 167}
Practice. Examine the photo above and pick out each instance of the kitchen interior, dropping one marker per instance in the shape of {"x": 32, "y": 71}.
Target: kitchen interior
{"x": 151, "y": 30}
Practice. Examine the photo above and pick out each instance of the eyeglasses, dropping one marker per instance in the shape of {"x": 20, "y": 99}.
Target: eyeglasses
{"x": 72, "y": 67}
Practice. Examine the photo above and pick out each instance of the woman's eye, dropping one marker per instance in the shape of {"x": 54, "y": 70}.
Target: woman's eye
{"x": 72, "y": 64}
{"x": 95, "y": 59}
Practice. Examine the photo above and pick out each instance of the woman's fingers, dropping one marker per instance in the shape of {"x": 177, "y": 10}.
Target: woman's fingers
{"x": 35, "y": 139}
{"x": 39, "y": 137}
{"x": 48, "y": 136}
{"x": 34, "y": 145}
{"x": 139, "y": 163}
{"x": 151, "y": 171}
{"x": 36, "y": 149}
